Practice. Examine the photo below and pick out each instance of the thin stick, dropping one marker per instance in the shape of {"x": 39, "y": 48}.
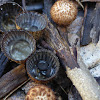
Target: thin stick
{"x": 63, "y": 89}
{"x": 16, "y": 89}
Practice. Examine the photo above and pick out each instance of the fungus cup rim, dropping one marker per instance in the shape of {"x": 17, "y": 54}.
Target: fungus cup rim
{"x": 4, "y": 3}
{"x": 29, "y": 12}
{"x": 6, "y": 54}
{"x": 47, "y": 79}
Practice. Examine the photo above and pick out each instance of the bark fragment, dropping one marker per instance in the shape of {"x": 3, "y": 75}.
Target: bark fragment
{"x": 12, "y": 80}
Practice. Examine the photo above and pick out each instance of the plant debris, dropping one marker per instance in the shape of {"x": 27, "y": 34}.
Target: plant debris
{"x": 77, "y": 47}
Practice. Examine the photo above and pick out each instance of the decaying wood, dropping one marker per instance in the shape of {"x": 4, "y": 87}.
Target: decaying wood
{"x": 72, "y": 32}
{"x": 95, "y": 31}
{"x": 46, "y": 46}
{"x": 84, "y": 82}
{"x": 90, "y": 54}
{"x": 7, "y": 96}
{"x": 12, "y": 80}
{"x": 76, "y": 25}
{"x": 79, "y": 75}
{"x": 63, "y": 33}
{"x": 87, "y": 24}
{"x": 71, "y": 39}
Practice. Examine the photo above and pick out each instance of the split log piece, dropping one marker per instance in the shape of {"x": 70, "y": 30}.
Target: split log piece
{"x": 90, "y": 54}
{"x": 79, "y": 75}
{"x": 87, "y": 24}
{"x": 3, "y": 62}
{"x": 63, "y": 33}
{"x": 12, "y": 80}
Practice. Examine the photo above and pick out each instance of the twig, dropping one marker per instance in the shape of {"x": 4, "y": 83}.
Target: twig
{"x": 16, "y": 89}
{"x": 78, "y": 74}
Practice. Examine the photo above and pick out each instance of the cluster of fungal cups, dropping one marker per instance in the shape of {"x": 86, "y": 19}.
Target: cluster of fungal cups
{"x": 19, "y": 42}
{"x": 20, "y": 31}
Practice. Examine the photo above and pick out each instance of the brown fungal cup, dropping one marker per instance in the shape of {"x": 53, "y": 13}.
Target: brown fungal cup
{"x": 40, "y": 92}
{"x": 33, "y": 22}
{"x": 18, "y": 45}
{"x": 42, "y": 66}
{"x": 63, "y": 12}
{"x": 8, "y": 12}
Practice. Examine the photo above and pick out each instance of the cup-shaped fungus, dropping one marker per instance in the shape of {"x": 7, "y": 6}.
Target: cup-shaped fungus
{"x": 8, "y": 12}
{"x": 33, "y": 22}
{"x": 18, "y": 45}
{"x": 42, "y": 66}
{"x": 63, "y": 12}
{"x": 40, "y": 92}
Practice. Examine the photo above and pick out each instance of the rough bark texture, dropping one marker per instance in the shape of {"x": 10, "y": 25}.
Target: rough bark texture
{"x": 12, "y": 79}
{"x": 79, "y": 75}
{"x": 88, "y": 24}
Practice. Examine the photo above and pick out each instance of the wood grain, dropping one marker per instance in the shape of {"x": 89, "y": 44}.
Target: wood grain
{"x": 12, "y": 80}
